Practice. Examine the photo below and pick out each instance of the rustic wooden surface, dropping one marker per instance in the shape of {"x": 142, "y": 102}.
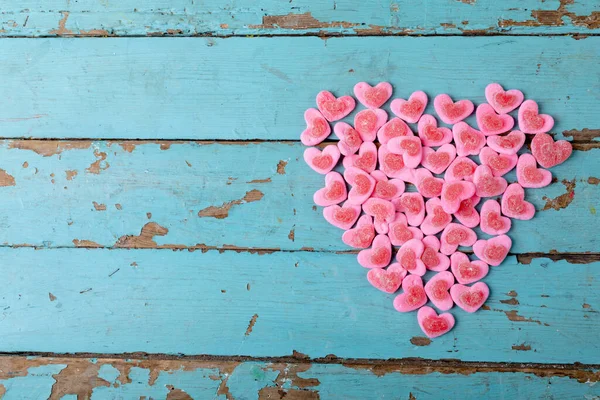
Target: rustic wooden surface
{"x": 158, "y": 238}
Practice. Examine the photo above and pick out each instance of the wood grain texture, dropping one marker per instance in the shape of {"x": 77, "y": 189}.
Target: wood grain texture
{"x": 301, "y": 17}
{"x": 238, "y": 88}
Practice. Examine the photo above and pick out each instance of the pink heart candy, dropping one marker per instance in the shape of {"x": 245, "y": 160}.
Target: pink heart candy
{"x": 366, "y": 159}
{"x": 549, "y": 153}
{"x": 530, "y": 121}
{"x": 431, "y": 257}
{"x": 350, "y": 139}
{"x": 362, "y": 184}
{"x": 409, "y": 257}
{"x": 455, "y": 192}
{"x": 410, "y": 110}
{"x": 385, "y": 188}
{"x": 334, "y": 191}
{"x": 387, "y": 280}
{"x": 427, "y": 185}
{"x": 399, "y": 232}
{"x": 529, "y": 175}
{"x": 432, "y": 135}
{"x": 455, "y": 235}
{"x": 491, "y": 123}
{"x": 317, "y": 128}
{"x": 493, "y": 251}
{"x": 322, "y": 161}
{"x": 409, "y": 147}
{"x": 433, "y": 325}
{"x": 507, "y": 144}
{"x": 413, "y": 206}
{"x": 413, "y": 296}
{"x": 437, "y": 289}
{"x": 486, "y": 184}
{"x": 500, "y": 164}
{"x": 373, "y": 96}
{"x": 438, "y": 160}
{"x": 362, "y": 235}
{"x": 492, "y": 222}
{"x": 393, "y": 128}
{"x": 466, "y": 271}
{"x": 368, "y": 122}
{"x": 503, "y": 101}
{"x": 451, "y": 112}
{"x": 379, "y": 255}
{"x": 462, "y": 168}
{"x": 467, "y": 214}
{"x": 470, "y": 298}
{"x": 393, "y": 164}
{"x": 514, "y": 205}
{"x": 333, "y": 108}
{"x": 468, "y": 141}
{"x": 382, "y": 211}
{"x": 436, "y": 219}
{"x": 342, "y": 217}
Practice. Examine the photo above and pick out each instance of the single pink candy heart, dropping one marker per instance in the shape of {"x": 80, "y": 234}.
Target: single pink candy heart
{"x": 436, "y": 219}
{"x": 500, "y": 164}
{"x": 413, "y": 206}
{"x": 427, "y": 185}
{"x": 322, "y": 161}
{"x": 529, "y": 175}
{"x": 451, "y": 112}
{"x": 492, "y": 222}
{"x": 507, "y": 144}
{"x": 399, "y": 232}
{"x": 409, "y": 257}
{"x": 410, "y": 110}
{"x": 409, "y": 147}
{"x": 334, "y": 191}
{"x": 350, "y": 139}
{"x": 431, "y": 135}
{"x": 342, "y": 217}
{"x": 366, "y": 159}
{"x": 455, "y": 192}
{"x": 503, "y": 101}
{"x": 468, "y": 141}
{"x": 490, "y": 123}
{"x": 362, "y": 235}
{"x": 438, "y": 160}
{"x": 317, "y": 128}
{"x": 379, "y": 255}
{"x": 470, "y": 298}
{"x": 434, "y": 325}
{"x": 549, "y": 153}
{"x": 393, "y": 164}
{"x": 514, "y": 205}
{"x": 413, "y": 296}
{"x": 530, "y": 121}
{"x": 373, "y": 96}
{"x": 362, "y": 184}
{"x": 437, "y": 289}
{"x": 393, "y": 128}
{"x": 493, "y": 251}
{"x": 385, "y": 188}
{"x": 387, "y": 280}
{"x": 467, "y": 214}
{"x": 455, "y": 235}
{"x": 333, "y": 108}
{"x": 467, "y": 271}
{"x": 382, "y": 211}
{"x": 462, "y": 168}
{"x": 431, "y": 257}
{"x": 368, "y": 122}
{"x": 486, "y": 184}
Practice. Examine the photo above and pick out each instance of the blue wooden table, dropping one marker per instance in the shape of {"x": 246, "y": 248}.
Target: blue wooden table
{"x": 158, "y": 235}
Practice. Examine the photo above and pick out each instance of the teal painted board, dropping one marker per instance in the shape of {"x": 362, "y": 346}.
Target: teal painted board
{"x": 240, "y": 88}
{"x": 300, "y": 17}
{"x": 181, "y": 302}
{"x": 256, "y": 195}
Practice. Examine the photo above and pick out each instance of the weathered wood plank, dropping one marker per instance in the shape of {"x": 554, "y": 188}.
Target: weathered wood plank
{"x": 300, "y": 17}
{"x": 115, "y": 301}
{"x": 238, "y": 88}
{"x": 256, "y": 195}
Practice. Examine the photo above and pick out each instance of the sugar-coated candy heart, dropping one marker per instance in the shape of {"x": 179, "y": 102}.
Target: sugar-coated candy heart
{"x": 373, "y": 96}
{"x": 393, "y": 164}
{"x": 492, "y": 222}
{"x": 410, "y": 110}
{"x": 530, "y": 121}
{"x": 434, "y": 325}
{"x": 385, "y": 188}
{"x": 490, "y": 123}
{"x": 436, "y": 219}
{"x": 399, "y": 232}
{"x": 413, "y": 206}
{"x": 549, "y": 153}
{"x": 438, "y": 160}
{"x": 468, "y": 141}
{"x": 413, "y": 296}
{"x": 466, "y": 271}
{"x": 387, "y": 280}
{"x": 486, "y": 184}
{"x": 503, "y": 101}
{"x": 368, "y": 122}
{"x": 379, "y": 255}
{"x": 333, "y": 108}
{"x": 461, "y": 169}
{"x": 393, "y": 128}
{"x": 322, "y": 161}
{"x": 366, "y": 159}
{"x": 431, "y": 257}
{"x": 455, "y": 192}
{"x": 409, "y": 147}
{"x": 427, "y": 185}
{"x": 529, "y": 175}
{"x": 334, "y": 191}
{"x": 409, "y": 257}
{"x": 342, "y": 217}
{"x": 513, "y": 203}
{"x": 362, "y": 235}
{"x": 455, "y": 235}
{"x": 470, "y": 298}
{"x": 362, "y": 184}
{"x": 350, "y": 139}
{"x": 452, "y": 112}
{"x": 382, "y": 211}
{"x": 437, "y": 289}
{"x": 500, "y": 164}
{"x": 493, "y": 251}
{"x": 507, "y": 144}
{"x": 317, "y": 128}
{"x": 432, "y": 135}
{"x": 467, "y": 214}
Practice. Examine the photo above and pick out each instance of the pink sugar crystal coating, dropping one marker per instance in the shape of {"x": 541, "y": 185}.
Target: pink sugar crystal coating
{"x": 387, "y": 280}
{"x": 333, "y": 108}
{"x": 432, "y": 135}
{"x": 317, "y": 128}
{"x": 466, "y": 271}
{"x": 410, "y": 110}
{"x": 493, "y": 251}
{"x": 413, "y": 296}
{"x": 455, "y": 235}
{"x": 549, "y": 153}
{"x": 490, "y": 123}
{"x": 503, "y": 101}
{"x": 362, "y": 184}
{"x": 507, "y": 144}
{"x": 529, "y": 176}
{"x": 368, "y": 122}
{"x": 499, "y": 163}
{"x": 334, "y": 191}
{"x": 452, "y": 112}
{"x": 437, "y": 290}
{"x": 468, "y": 141}
{"x": 513, "y": 203}
{"x": 431, "y": 257}
{"x": 438, "y": 160}
{"x": 350, "y": 139}
{"x": 322, "y": 161}
{"x": 470, "y": 298}
{"x": 393, "y": 128}
{"x": 530, "y": 121}
{"x": 379, "y": 255}
{"x": 434, "y": 325}
{"x": 366, "y": 159}
{"x": 342, "y": 217}
{"x": 409, "y": 257}
{"x": 373, "y": 96}
{"x": 361, "y": 236}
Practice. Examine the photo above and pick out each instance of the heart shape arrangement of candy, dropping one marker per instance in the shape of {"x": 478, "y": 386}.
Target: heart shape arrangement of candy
{"x": 403, "y": 234}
